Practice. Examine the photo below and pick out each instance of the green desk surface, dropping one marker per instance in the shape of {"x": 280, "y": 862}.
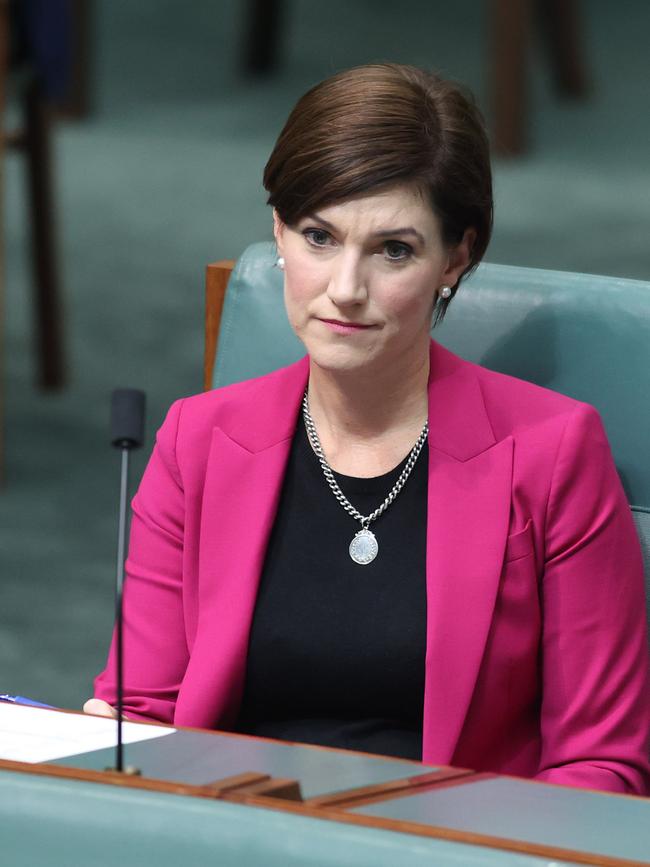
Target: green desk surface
{"x": 64, "y": 823}
{"x": 533, "y": 812}
{"x": 198, "y": 758}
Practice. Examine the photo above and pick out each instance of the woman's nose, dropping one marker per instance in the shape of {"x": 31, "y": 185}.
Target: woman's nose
{"x": 347, "y": 286}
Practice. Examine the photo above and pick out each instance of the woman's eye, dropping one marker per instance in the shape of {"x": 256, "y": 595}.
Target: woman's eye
{"x": 317, "y": 237}
{"x": 396, "y": 251}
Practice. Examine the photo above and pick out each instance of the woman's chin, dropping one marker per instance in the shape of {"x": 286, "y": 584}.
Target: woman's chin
{"x": 341, "y": 359}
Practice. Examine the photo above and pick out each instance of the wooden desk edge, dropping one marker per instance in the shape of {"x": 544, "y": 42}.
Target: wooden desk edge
{"x": 248, "y": 780}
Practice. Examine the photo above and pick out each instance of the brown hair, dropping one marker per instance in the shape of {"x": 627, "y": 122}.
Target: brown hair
{"x": 381, "y": 124}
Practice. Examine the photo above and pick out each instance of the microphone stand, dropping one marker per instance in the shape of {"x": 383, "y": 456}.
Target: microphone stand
{"x": 127, "y": 432}
{"x": 119, "y": 594}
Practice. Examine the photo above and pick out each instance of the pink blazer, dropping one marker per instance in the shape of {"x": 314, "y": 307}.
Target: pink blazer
{"x": 536, "y": 660}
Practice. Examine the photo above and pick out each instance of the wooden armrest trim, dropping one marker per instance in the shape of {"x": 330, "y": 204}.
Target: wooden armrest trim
{"x": 217, "y": 275}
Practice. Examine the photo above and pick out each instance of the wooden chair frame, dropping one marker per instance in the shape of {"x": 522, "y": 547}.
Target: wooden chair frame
{"x": 217, "y": 275}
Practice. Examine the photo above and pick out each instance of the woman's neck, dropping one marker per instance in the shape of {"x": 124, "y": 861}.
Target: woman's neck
{"x": 367, "y": 421}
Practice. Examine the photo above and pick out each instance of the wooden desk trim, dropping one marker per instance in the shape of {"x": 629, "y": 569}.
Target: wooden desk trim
{"x": 109, "y": 777}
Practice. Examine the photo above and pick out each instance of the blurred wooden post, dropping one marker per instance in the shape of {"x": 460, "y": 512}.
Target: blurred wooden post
{"x": 263, "y": 26}
{"x": 561, "y": 25}
{"x": 510, "y": 23}
{"x": 4, "y": 65}
{"x": 77, "y": 101}
{"x": 48, "y": 319}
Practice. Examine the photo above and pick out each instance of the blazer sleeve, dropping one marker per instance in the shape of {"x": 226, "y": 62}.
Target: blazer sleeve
{"x": 595, "y": 713}
{"x": 155, "y": 647}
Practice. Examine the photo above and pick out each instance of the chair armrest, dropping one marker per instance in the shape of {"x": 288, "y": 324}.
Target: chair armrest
{"x": 217, "y": 275}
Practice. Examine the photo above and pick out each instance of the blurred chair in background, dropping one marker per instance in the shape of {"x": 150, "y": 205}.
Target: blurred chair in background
{"x": 510, "y": 34}
{"x": 39, "y": 64}
{"x": 44, "y": 66}
{"x": 583, "y": 335}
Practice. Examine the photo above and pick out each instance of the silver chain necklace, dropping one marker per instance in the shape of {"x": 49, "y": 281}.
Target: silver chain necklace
{"x": 364, "y": 546}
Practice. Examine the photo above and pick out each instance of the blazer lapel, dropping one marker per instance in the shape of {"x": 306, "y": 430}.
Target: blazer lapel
{"x": 470, "y": 478}
{"x": 244, "y": 474}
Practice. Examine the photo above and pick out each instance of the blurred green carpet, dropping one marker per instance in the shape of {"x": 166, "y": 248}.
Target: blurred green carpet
{"x": 166, "y": 177}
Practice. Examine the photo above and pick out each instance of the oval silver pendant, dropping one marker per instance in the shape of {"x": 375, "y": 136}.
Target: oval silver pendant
{"x": 364, "y": 547}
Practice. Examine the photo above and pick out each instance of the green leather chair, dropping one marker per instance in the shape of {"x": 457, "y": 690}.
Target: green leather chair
{"x": 583, "y": 335}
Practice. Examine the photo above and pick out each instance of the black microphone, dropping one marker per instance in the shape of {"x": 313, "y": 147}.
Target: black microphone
{"x": 127, "y": 418}
{"x": 127, "y": 432}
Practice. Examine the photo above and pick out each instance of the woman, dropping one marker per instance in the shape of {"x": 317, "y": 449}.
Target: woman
{"x": 385, "y": 547}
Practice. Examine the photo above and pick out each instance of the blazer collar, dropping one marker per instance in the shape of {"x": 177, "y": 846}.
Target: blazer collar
{"x": 458, "y": 422}
{"x": 265, "y": 413}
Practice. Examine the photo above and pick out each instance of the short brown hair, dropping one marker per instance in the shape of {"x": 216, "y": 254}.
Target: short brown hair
{"x": 380, "y": 124}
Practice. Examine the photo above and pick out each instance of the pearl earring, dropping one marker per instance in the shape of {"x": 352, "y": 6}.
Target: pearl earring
{"x": 281, "y": 263}
{"x": 445, "y": 292}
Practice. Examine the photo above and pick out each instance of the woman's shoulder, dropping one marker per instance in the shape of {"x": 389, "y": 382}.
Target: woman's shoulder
{"x": 514, "y": 404}
{"x": 251, "y": 405}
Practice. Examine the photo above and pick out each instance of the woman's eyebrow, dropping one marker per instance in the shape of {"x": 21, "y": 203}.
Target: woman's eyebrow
{"x": 318, "y": 219}
{"x": 406, "y": 230}
{"x": 383, "y": 233}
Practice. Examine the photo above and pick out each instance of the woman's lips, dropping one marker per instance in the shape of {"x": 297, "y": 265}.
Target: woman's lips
{"x": 345, "y": 327}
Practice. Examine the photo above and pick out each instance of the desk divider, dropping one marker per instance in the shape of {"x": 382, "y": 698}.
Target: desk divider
{"x": 392, "y": 789}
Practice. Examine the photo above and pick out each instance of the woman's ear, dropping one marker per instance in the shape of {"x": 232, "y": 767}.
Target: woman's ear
{"x": 460, "y": 257}
{"x": 278, "y": 230}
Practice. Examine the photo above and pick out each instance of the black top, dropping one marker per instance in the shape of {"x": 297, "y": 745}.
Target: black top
{"x": 336, "y": 653}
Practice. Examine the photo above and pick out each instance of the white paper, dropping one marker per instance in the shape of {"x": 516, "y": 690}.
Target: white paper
{"x": 31, "y": 734}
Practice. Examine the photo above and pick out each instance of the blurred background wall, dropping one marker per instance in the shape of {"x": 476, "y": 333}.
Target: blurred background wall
{"x": 164, "y": 175}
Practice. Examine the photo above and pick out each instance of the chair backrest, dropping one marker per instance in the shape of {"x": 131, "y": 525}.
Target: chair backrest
{"x": 583, "y": 335}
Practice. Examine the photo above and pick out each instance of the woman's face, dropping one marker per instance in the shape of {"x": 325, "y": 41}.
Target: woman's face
{"x": 362, "y": 277}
